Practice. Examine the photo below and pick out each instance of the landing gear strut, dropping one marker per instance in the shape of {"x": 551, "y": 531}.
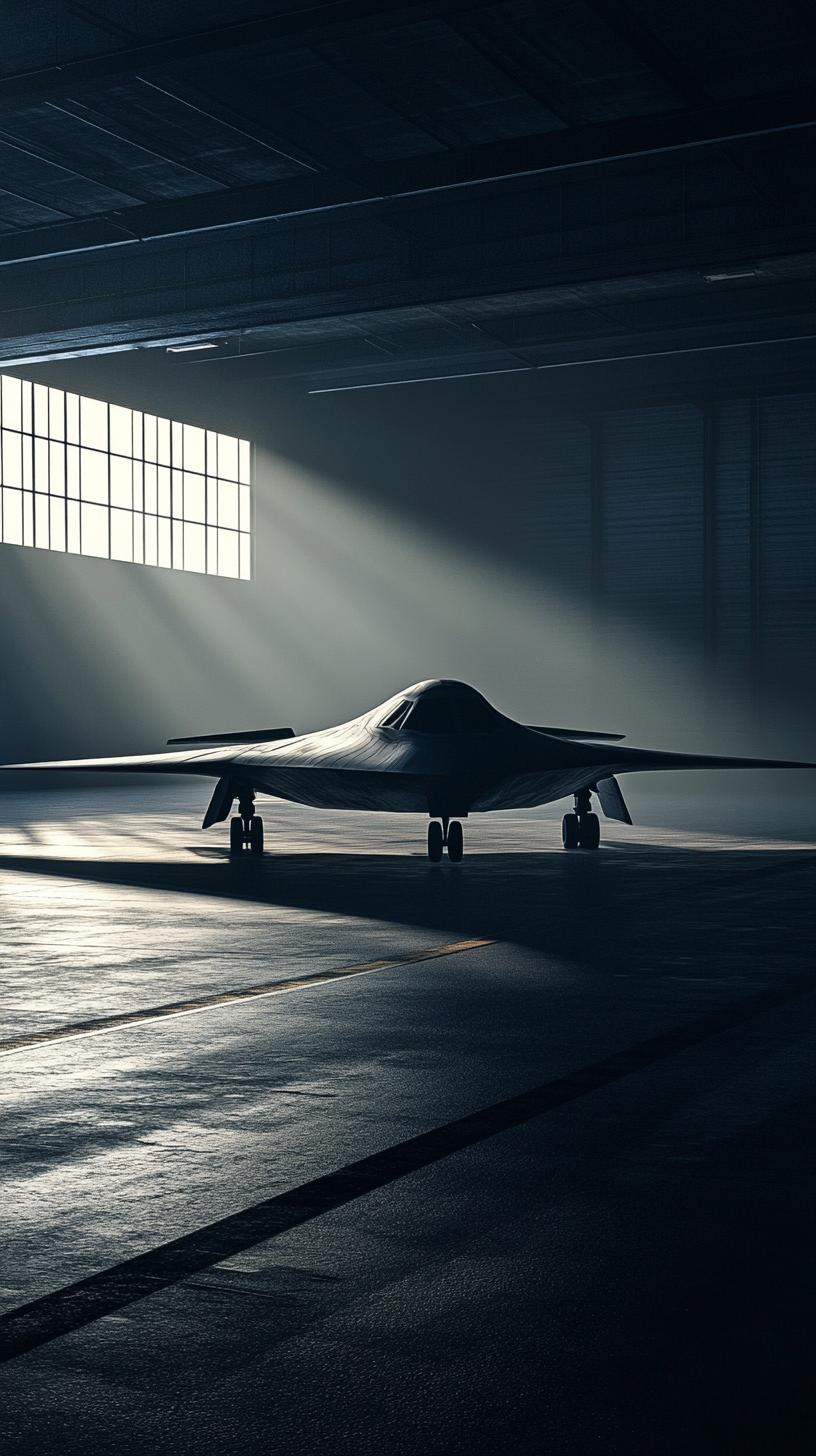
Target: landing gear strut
{"x": 445, "y": 835}
{"x": 246, "y": 827}
{"x": 581, "y": 830}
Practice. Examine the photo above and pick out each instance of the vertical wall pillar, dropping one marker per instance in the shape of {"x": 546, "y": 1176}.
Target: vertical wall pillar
{"x": 710, "y": 543}
{"x": 755, "y": 556}
{"x": 596, "y": 523}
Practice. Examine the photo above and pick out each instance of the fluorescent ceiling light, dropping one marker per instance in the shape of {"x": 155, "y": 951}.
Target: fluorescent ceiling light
{"x": 188, "y": 348}
{"x": 723, "y": 277}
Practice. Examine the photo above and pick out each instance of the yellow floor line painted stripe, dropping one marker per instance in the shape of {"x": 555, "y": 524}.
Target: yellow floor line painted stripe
{"x": 227, "y": 998}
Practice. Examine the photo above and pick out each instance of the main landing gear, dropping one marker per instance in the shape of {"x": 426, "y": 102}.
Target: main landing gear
{"x": 445, "y": 835}
{"x": 581, "y": 830}
{"x": 246, "y": 828}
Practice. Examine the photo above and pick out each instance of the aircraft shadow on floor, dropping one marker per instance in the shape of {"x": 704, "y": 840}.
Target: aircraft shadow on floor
{"x": 637, "y": 909}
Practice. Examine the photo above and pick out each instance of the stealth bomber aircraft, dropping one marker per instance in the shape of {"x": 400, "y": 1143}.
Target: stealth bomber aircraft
{"x": 438, "y": 748}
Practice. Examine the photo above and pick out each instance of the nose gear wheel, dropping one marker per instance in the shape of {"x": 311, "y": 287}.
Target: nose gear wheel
{"x": 444, "y": 836}
{"x": 581, "y": 830}
{"x": 246, "y": 828}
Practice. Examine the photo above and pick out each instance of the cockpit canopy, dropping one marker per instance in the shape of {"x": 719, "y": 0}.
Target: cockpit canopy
{"x": 444, "y": 708}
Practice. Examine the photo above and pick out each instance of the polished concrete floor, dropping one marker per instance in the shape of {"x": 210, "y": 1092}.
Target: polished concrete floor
{"x": 607, "y": 1247}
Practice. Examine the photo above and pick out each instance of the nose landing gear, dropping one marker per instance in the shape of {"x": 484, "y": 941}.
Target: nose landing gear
{"x": 246, "y": 828}
{"x": 581, "y": 830}
{"x": 445, "y": 835}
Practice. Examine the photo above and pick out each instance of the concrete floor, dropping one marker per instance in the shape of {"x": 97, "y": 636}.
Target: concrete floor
{"x": 622, "y": 1264}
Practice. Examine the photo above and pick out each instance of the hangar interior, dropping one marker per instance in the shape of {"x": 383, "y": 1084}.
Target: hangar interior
{"x": 480, "y": 338}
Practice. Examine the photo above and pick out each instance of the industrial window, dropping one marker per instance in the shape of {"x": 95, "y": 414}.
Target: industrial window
{"x": 96, "y": 479}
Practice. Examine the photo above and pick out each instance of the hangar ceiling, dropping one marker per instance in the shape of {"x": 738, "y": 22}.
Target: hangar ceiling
{"x": 359, "y": 193}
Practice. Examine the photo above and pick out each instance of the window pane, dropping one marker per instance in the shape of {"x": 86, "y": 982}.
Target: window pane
{"x": 121, "y": 537}
{"x": 13, "y": 516}
{"x": 163, "y": 431}
{"x": 138, "y": 494}
{"x": 57, "y": 507}
{"x": 227, "y": 504}
{"x": 94, "y": 478}
{"x": 164, "y": 553}
{"x": 72, "y": 462}
{"x": 121, "y": 430}
{"x": 56, "y": 414}
{"x": 12, "y": 458}
{"x": 28, "y": 461}
{"x": 72, "y": 508}
{"x": 150, "y": 437}
{"x": 245, "y": 556}
{"x": 178, "y": 545}
{"x": 212, "y": 551}
{"x": 243, "y": 461}
{"x": 164, "y": 491}
{"x": 228, "y": 456}
{"x": 12, "y": 409}
{"x": 56, "y": 471}
{"x": 212, "y": 453}
{"x": 193, "y": 497}
{"x": 121, "y": 483}
{"x": 178, "y": 496}
{"x": 151, "y": 540}
{"x": 40, "y": 464}
{"x": 93, "y": 416}
{"x": 138, "y": 536}
{"x": 72, "y": 418}
{"x": 28, "y": 518}
{"x": 151, "y": 497}
{"x": 194, "y": 547}
{"x": 227, "y": 553}
{"x": 194, "y": 449}
{"x": 41, "y": 515}
{"x": 212, "y": 501}
{"x": 243, "y": 502}
{"x": 40, "y": 410}
{"x": 94, "y": 530}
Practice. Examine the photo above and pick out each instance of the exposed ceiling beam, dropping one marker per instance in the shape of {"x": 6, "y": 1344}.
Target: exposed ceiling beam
{"x": 552, "y": 152}
{"x": 101, "y": 22}
{"x": 524, "y": 74}
{"x": 289, "y": 26}
{"x": 628, "y": 27}
{"x": 780, "y": 286}
{"x": 216, "y": 110}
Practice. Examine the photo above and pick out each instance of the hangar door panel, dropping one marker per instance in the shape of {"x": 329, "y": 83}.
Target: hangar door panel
{"x": 544, "y": 498}
{"x": 653, "y": 518}
{"x": 787, "y": 493}
{"x": 732, "y": 537}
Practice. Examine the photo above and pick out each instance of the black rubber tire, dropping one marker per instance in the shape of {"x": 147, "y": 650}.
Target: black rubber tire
{"x": 236, "y": 835}
{"x": 256, "y": 835}
{"x": 456, "y": 842}
{"x": 589, "y": 831}
{"x": 435, "y": 841}
{"x": 569, "y": 831}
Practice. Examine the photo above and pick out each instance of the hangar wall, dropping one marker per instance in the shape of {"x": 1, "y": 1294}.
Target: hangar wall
{"x": 652, "y": 566}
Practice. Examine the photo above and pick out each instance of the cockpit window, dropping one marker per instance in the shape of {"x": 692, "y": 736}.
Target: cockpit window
{"x": 476, "y": 716}
{"x": 396, "y": 716}
{"x": 430, "y": 715}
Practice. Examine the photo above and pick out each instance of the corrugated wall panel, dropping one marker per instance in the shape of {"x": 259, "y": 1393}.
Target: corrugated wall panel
{"x": 653, "y": 517}
{"x": 732, "y": 537}
{"x": 787, "y": 482}
{"x": 545, "y": 489}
